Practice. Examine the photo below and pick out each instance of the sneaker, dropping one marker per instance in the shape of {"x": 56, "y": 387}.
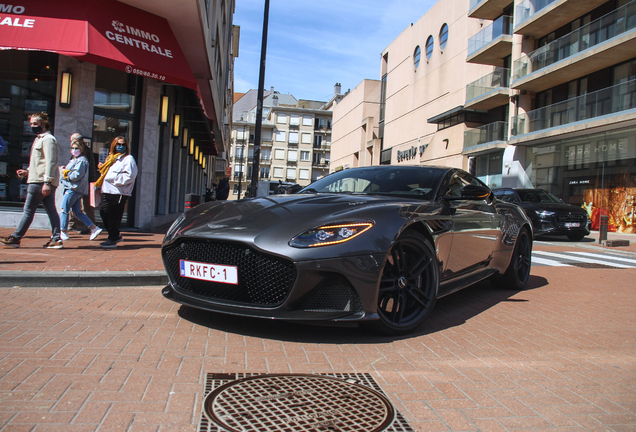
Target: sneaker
{"x": 64, "y": 236}
{"x": 54, "y": 244}
{"x": 95, "y": 232}
{"x": 10, "y": 240}
{"x": 120, "y": 239}
{"x": 108, "y": 244}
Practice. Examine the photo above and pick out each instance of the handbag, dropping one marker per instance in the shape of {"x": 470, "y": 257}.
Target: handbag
{"x": 95, "y": 195}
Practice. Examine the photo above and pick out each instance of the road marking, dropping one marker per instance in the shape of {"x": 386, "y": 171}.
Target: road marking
{"x": 609, "y": 256}
{"x": 547, "y": 262}
{"x": 598, "y": 258}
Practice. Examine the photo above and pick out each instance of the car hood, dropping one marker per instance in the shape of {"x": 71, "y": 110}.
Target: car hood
{"x": 269, "y": 223}
{"x": 555, "y": 207}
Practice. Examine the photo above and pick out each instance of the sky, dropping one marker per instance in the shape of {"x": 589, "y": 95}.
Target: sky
{"x": 312, "y": 45}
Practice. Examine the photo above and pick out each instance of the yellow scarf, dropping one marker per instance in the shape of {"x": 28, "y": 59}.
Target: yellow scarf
{"x": 103, "y": 170}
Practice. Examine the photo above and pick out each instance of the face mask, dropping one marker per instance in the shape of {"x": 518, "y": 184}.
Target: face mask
{"x": 36, "y": 129}
{"x": 120, "y": 148}
{"x": 75, "y": 152}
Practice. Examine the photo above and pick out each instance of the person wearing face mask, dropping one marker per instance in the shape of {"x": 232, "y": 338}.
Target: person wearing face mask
{"x": 117, "y": 179}
{"x": 43, "y": 177}
{"x": 75, "y": 182}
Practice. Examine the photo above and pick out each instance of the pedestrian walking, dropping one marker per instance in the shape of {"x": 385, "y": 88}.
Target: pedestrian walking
{"x": 93, "y": 175}
{"x": 75, "y": 182}
{"x": 223, "y": 189}
{"x": 117, "y": 179}
{"x": 43, "y": 177}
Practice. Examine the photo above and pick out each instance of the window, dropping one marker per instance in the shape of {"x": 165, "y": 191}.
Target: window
{"x": 279, "y": 154}
{"x": 304, "y": 156}
{"x": 303, "y": 174}
{"x": 281, "y": 118}
{"x": 266, "y": 154}
{"x": 239, "y": 152}
{"x": 264, "y": 172}
{"x": 292, "y": 155}
{"x": 293, "y": 137}
{"x": 280, "y": 136}
{"x": 317, "y": 141}
{"x": 416, "y": 56}
{"x": 278, "y": 172}
{"x": 307, "y": 120}
{"x": 291, "y": 173}
{"x": 294, "y": 120}
{"x": 443, "y": 36}
{"x": 306, "y": 138}
{"x": 429, "y": 47}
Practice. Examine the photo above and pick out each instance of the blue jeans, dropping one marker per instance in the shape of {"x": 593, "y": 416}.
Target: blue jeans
{"x": 33, "y": 200}
{"x": 73, "y": 201}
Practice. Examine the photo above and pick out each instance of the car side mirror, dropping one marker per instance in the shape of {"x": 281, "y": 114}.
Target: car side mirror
{"x": 471, "y": 192}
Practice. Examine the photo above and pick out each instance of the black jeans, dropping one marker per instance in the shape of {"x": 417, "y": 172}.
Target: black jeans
{"x": 111, "y": 211}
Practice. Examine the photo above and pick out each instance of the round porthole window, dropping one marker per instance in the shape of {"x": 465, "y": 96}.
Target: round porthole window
{"x": 429, "y": 47}
{"x": 443, "y": 36}
{"x": 416, "y": 56}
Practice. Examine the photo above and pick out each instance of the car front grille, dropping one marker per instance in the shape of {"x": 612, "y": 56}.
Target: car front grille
{"x": 262, "y": 280}
{"x": 334, "y": 298}
{"x": 569, "y": 217}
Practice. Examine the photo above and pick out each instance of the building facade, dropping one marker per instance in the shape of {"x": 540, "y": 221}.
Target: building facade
{"x": 160, "y": 77}
{"x": 295, "y": 140}
{"x": 524, "y": 93}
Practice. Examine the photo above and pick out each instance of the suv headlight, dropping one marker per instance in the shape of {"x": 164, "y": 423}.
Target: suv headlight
{"x": 545, "y": 214}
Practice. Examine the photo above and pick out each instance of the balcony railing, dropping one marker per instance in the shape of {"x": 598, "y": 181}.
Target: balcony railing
{"x": 594, "y": 33}
{"x": 609, "y": 100}
{"x": 497, "y": 131}
{"x": 500, "y": 26}
{"x": 473, "y": 4}
{"x": 500, "y": 78}
{"x": 528, "y": 8}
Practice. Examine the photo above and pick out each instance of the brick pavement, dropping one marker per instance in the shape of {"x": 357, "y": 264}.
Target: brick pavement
{"x": 559, "y": 356}
{"x": 140, "y": 251}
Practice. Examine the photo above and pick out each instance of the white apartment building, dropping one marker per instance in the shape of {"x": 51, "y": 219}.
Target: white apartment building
{"x": 523, "y": 93}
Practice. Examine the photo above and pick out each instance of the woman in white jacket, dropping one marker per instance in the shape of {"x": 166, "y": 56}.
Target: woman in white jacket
{"x": 117, "y": 179}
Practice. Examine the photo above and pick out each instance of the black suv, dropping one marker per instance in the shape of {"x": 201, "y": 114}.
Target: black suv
{"x": 549, "y": 215}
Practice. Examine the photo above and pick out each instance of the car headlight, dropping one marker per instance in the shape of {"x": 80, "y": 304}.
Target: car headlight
{"x": 331, "y": 234}
{"x": 545, "y": 214}
{"x": 174, "y": 228}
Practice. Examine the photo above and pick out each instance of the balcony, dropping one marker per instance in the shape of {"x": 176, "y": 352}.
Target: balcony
{"x": 489, "y": 91}
{"x": 537, "y": 18}
{"x": 493, "y": 135}
{"x": 266, "y": 142}
{"x": 602, "y": 43}
{"x": 266, "y": 160}
{"x": 486, "y": 9}
{"x": 611, "y": 101}
{"x": 492, "y": 43}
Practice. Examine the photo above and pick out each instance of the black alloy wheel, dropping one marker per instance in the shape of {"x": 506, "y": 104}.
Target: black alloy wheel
{"x": 409, "y": 284}
{"x": 518, "y": 272}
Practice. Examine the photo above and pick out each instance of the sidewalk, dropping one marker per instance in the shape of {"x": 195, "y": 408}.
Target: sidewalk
{"x": 135, "y": 262}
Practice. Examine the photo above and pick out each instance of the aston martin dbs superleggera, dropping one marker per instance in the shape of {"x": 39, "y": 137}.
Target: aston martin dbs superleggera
{"x": 377, "y": 244}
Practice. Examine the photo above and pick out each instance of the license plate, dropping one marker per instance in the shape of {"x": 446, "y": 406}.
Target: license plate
{"x": 209, "y": 272}
{"x": 572, "y": 224}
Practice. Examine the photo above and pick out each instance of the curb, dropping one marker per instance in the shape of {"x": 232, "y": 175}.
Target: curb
{"x": 73, "y": 279}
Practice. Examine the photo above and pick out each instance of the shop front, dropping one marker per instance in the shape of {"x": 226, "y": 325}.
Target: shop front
{"x": 103, "y": 69}
{"x": 596, "y": 171}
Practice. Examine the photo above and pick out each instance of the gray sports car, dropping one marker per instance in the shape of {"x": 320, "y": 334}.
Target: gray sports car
{"x": 377, "y": 244}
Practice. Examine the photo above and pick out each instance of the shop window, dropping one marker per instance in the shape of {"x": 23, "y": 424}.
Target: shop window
{"x": 28, "y": 84}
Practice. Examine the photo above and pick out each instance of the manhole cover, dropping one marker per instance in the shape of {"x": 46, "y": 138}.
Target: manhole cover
{"x": 297, "y": 402}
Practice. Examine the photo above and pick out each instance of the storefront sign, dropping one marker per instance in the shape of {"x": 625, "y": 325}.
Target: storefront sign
{"x": 411, "y": 153}
{"x": 105, "y": 32}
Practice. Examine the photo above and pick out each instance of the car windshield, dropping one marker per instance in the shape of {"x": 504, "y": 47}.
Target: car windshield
{"x": 537, "y": 196}
{"x": 420, "y": 182}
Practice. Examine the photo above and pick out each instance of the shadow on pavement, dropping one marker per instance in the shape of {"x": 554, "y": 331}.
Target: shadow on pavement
{"x": 449, "y": 311}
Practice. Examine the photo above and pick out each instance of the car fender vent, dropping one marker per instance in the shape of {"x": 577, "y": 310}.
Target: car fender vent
{"x": 438, "y": 226}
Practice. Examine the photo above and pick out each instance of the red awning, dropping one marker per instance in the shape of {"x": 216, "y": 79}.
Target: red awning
{"x": 104, "y": 32}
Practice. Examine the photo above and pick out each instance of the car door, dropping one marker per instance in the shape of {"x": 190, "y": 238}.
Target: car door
{"x": 476, "y": 229}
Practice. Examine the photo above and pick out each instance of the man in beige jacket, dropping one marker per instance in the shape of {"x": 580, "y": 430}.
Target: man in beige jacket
{"x": 43, "y": 176}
